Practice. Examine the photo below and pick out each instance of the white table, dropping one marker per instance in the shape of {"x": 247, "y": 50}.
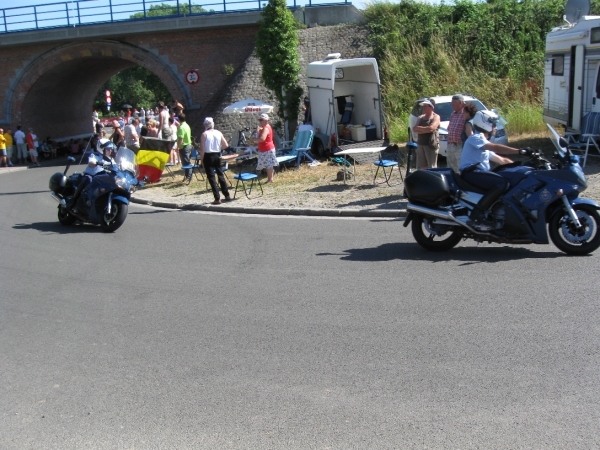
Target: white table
{"x": 356, "y": 151}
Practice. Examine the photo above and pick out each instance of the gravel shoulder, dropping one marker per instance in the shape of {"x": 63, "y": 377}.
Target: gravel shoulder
{"x": 311, "y": 188}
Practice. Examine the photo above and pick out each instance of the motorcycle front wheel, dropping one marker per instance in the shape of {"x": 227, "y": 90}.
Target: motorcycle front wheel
{"x": 575, "y": 241}
{"x": 113, "y": 220}
{"x": 64, "y": 217}
{"x": 435, "y": 238}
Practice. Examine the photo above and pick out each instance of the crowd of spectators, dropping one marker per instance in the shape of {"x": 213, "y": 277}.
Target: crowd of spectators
{"x": 26, "y": 148}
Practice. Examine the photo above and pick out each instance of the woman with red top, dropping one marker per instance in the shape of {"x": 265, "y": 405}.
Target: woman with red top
{"x": 266, "y": 148}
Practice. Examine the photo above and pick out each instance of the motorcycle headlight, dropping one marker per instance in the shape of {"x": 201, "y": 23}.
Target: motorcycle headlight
{"x": 122, "y": 183}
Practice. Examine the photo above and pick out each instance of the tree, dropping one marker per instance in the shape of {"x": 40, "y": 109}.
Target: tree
{"x": 136, "y": 86}
{"x": 277, "y": 49}
{"x": 165, "y": 9}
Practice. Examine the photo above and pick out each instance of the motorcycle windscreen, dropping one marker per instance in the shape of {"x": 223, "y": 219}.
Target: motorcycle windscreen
{"x": 152, "y": 157}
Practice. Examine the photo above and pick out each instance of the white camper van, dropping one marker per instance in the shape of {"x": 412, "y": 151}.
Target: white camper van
{"x": 344, "y": 90}
{"x": 572, "y": 67}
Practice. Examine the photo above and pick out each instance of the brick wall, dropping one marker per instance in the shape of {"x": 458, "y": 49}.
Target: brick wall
{"x": 52, "y": 86}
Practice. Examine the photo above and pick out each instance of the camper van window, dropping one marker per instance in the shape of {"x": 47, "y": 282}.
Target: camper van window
{"x": 595, "y": 35}
{"x": 558, "y": 65}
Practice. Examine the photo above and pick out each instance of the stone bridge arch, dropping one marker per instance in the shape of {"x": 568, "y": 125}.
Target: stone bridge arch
{"x": 54, "y": 93}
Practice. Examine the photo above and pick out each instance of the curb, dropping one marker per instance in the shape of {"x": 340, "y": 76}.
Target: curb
{"x": 393, "y": 213}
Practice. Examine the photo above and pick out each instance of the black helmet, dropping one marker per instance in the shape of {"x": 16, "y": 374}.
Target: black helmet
{"x": 57, "y": 182}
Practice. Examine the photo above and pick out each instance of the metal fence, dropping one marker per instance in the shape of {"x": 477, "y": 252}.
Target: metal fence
{"x": 87, "y": 12}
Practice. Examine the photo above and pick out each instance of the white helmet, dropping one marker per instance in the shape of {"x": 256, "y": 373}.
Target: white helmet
{"x": 485, "y": 120}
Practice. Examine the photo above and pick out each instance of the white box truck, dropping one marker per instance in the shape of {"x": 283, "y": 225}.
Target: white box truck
{"x": 572, "y": 67}
{"x": 333, "y": 85}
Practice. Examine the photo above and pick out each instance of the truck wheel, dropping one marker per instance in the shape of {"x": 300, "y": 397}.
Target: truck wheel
{"x": 318, "y": 149}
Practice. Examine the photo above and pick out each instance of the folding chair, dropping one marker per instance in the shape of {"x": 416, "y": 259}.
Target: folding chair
{"x": 194, "y": 167}
{"x": 347, "y": 116}
{"x": 245, "y": 177}
{"x": 587, "y": 136}
{"x": 301, "y": 148}
{"x": 385, "y": 164}
{"x": 169, "y": 170}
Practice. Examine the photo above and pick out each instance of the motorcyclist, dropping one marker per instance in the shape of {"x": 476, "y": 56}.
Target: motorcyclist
{"x": 475, "y": 165}
{"x": 92, "y": 169}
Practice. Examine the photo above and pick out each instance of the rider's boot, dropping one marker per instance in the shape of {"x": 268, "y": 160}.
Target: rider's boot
{"x": 480, "y": 221}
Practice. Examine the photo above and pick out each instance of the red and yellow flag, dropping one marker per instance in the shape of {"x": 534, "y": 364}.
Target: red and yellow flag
{"x": 152, "y": 157}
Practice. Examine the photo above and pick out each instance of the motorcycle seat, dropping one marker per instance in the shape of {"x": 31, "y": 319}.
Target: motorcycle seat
{"x": 465, "y": 186}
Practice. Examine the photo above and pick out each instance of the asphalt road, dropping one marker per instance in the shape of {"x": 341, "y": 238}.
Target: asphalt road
{"x": 210, "y": 331}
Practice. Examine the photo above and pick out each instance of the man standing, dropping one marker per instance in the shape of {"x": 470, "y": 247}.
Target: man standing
{"x": 211, "y": 144}
{"x": 9, "y": 147}
{"x": 184, "y": 144}
{"x": 132, "y": 139}
{"x": 163, "y": 124}
{"x": 455, "y": 128}
{"x": 32, "y": 145}
{"x": 2, "y": 149}
{"x": 427, "y": 139}
{"x": 21, "y": 146}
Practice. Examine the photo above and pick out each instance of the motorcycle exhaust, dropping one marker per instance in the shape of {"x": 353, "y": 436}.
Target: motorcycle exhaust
{"x": 443, "y": 215}
{"x": 58, "y": 199}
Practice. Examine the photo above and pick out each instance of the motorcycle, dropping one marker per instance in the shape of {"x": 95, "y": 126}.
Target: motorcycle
{"x": 105, "y": 199}
{"x": 542, "y": 199}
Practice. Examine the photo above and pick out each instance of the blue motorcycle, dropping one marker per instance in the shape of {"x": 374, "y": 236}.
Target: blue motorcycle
{"x": 542, "y": 199}
{"x": 100, "y": 195}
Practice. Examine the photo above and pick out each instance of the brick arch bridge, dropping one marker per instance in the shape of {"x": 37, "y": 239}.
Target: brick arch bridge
{"x": 55, "y": 91}
{"x": 50, "y": 77}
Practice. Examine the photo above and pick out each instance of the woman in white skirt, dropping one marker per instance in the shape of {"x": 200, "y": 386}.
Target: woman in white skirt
{"x": 266, "y": 149}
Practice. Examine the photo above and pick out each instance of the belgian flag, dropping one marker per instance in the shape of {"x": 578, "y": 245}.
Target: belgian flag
{"x": 152, "y": 157}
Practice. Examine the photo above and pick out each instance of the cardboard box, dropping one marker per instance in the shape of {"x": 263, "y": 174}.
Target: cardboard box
{"x": 359, "y": 133}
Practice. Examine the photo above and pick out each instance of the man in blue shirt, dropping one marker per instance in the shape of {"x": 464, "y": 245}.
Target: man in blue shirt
{"x": 475, "y": 168}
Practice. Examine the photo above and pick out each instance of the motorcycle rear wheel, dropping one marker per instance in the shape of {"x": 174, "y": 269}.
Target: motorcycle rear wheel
{"x": 435, "y": 238}
{"x": 572, "y": 241}
{"x": 64, "y": 217}
{"x": 118, "y": 213}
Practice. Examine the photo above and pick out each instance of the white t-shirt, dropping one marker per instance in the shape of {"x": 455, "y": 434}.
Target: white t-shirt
{"x": 212, "y": 141}
{"x": 19, "y": 137}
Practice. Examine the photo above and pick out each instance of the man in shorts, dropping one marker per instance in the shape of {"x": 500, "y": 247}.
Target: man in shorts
{"x": 2, "y": 149}
{"x": 427, "y": 139}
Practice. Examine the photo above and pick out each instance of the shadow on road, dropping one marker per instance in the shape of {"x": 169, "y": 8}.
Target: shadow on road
{"x": 466, "y": 255}
{"x": 22, "y": 193}
{"x": 56, "y": 227}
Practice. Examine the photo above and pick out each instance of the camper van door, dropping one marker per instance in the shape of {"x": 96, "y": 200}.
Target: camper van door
{"x": 576, "y": 86}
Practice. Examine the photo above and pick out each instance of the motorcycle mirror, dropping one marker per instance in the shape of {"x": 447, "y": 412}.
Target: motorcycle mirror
{"x": 71, "y": 159}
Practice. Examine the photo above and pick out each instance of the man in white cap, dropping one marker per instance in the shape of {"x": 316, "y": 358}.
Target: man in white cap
{"x": 427, "y": 139}
{"x": 211, "y": 143}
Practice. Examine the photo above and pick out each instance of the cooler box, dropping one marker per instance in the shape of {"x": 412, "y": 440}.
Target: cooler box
{"x": 359, "y": 133}
{"x": 371, "y": 133}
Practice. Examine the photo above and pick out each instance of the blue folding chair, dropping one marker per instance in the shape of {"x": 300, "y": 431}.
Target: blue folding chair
{"x": 245, "y": 177}
{"x": 300, "y": 148}
{"x": 169, "y": 170}
{"x": 384, "y": 165}
{"x": 194, "y": 167}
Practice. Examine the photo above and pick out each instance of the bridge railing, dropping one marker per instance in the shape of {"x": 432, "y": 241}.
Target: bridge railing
{"x": 87, "y": 12}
